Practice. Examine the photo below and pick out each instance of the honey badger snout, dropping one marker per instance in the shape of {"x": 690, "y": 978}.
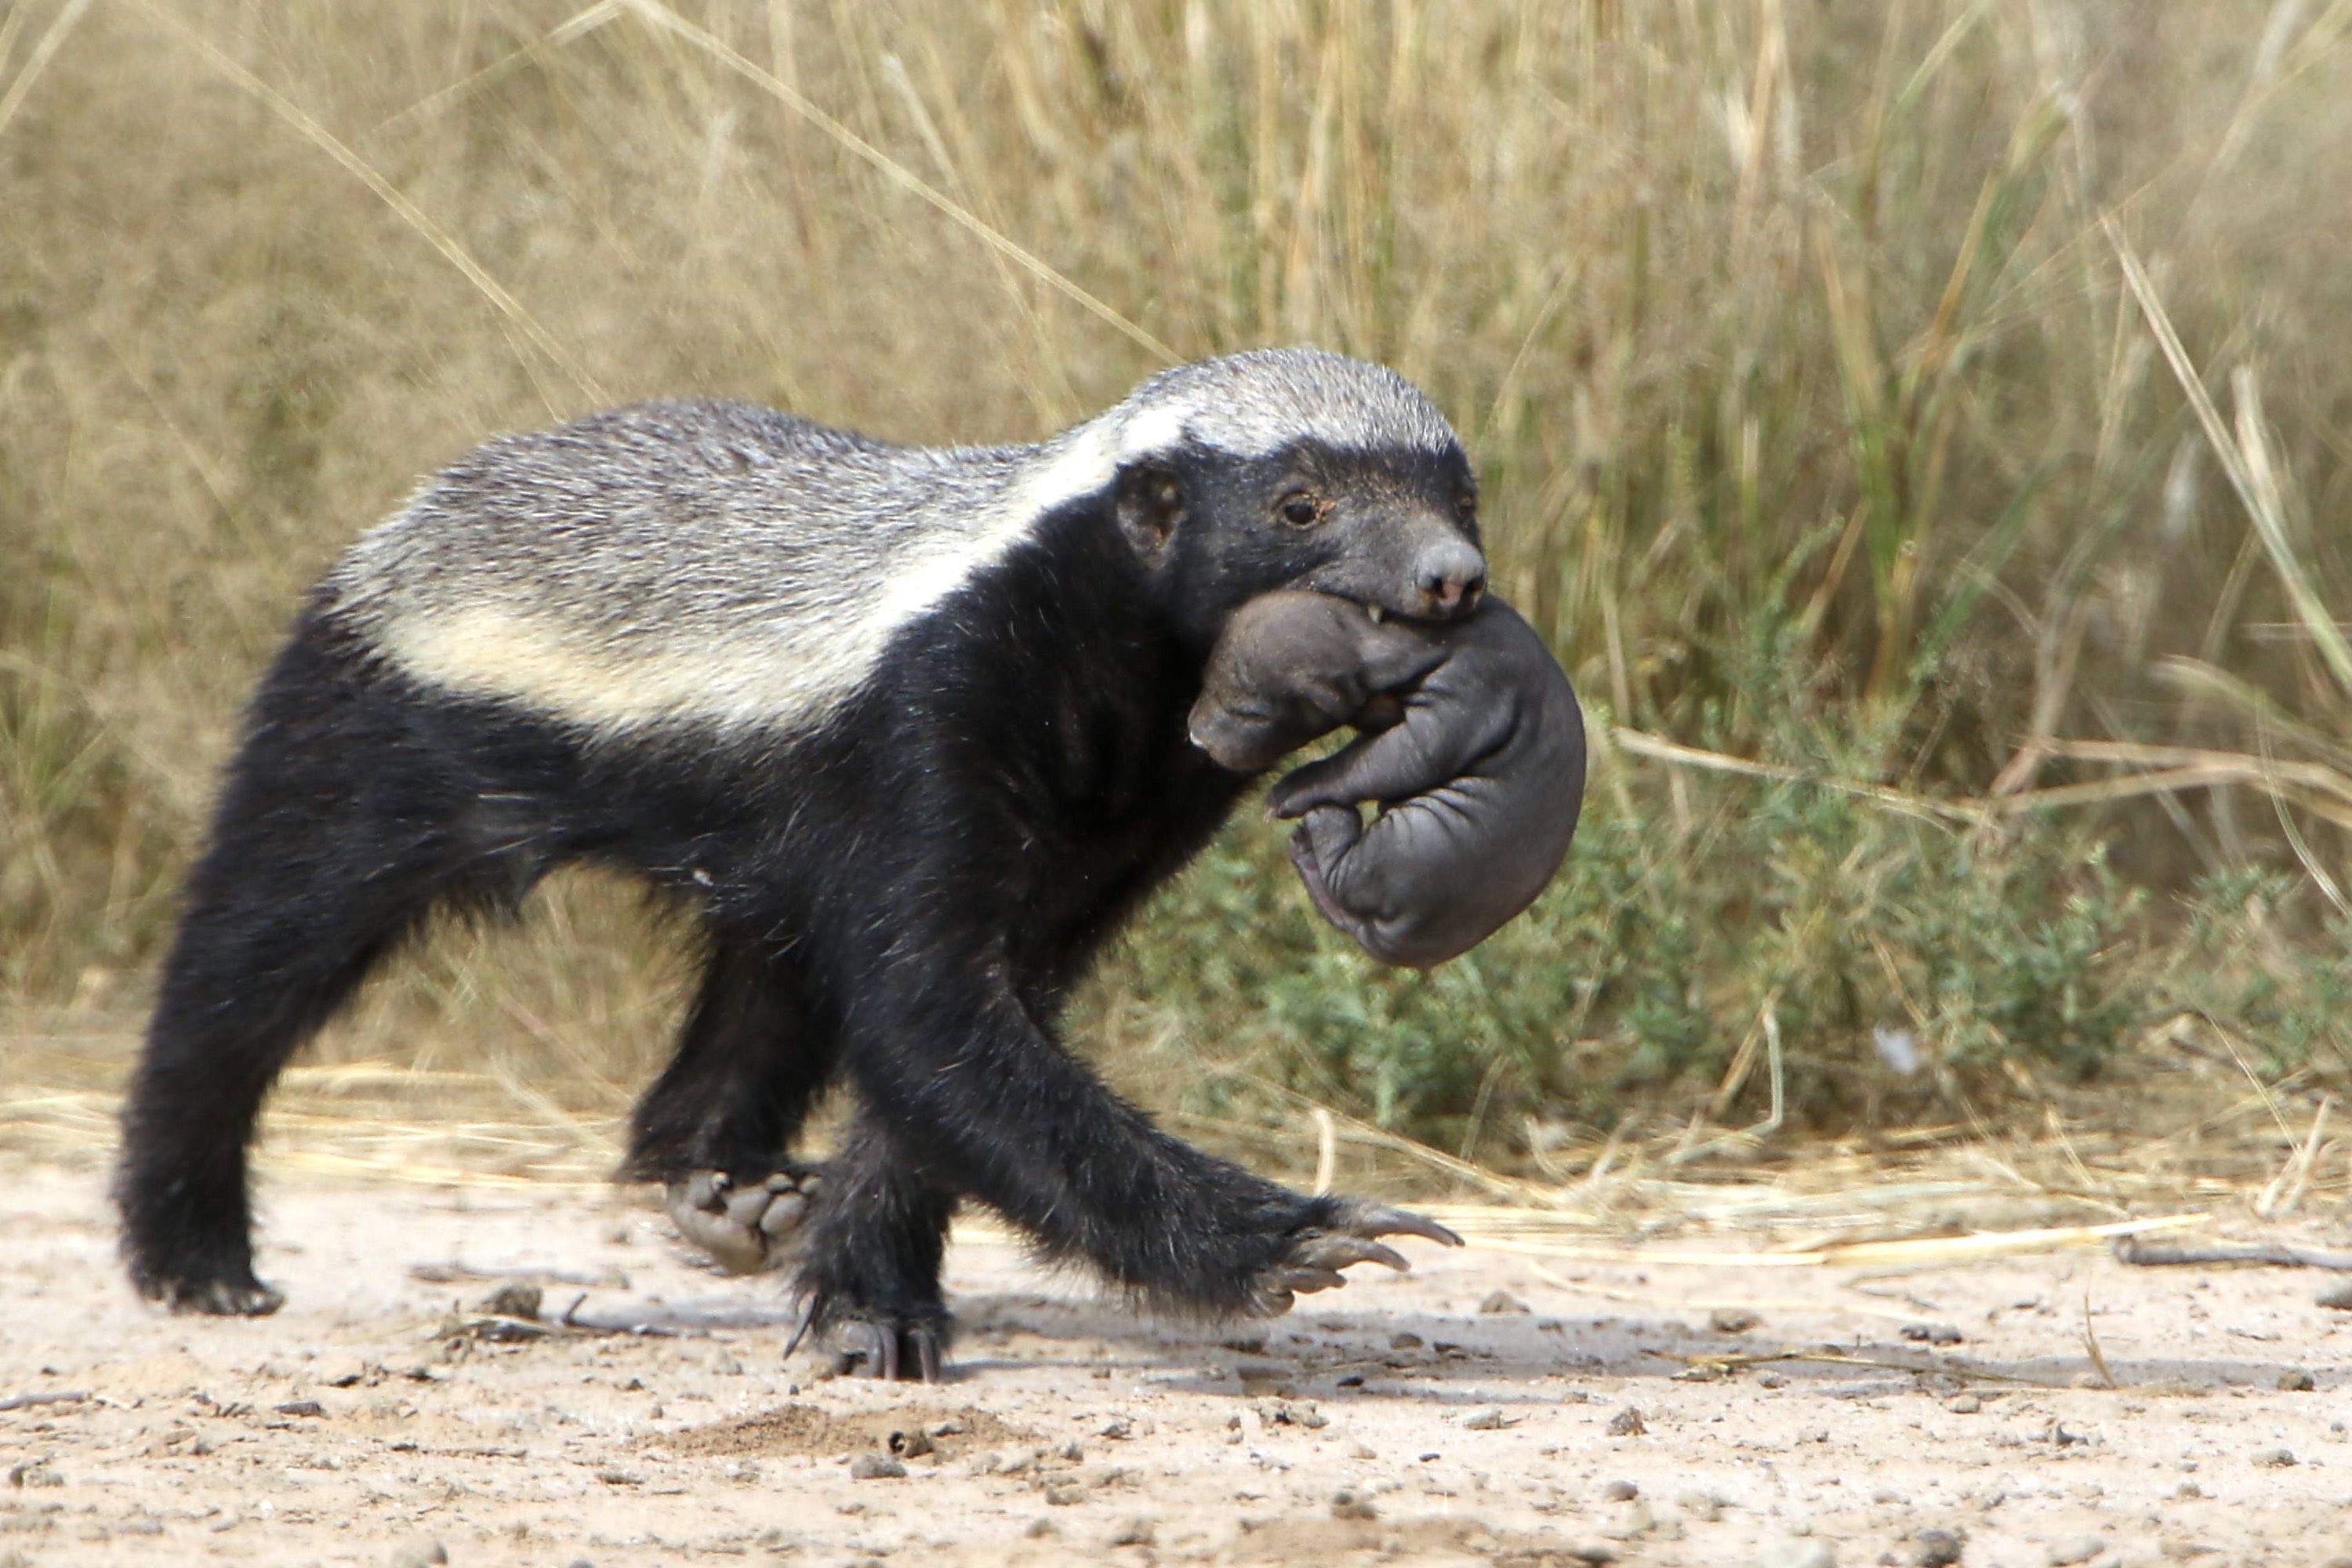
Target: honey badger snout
{"x": 1448, "y": 575}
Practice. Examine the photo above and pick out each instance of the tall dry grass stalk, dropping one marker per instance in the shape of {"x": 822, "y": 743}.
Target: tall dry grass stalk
{"x": 1840, "y": 375}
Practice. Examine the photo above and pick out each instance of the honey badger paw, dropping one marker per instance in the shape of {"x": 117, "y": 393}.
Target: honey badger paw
{"x": 218, "y": 1297}
{"x": 1317, "y": 1255}
{"x": 748, "y": 1226}
{"x": 888, "y": 1348}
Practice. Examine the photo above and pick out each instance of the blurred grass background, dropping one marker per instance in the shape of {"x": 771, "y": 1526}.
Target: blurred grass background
{"x": 1924, "y": 430}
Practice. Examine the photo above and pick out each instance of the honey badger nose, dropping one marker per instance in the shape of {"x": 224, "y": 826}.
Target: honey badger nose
{"x": 1448, "y": 576}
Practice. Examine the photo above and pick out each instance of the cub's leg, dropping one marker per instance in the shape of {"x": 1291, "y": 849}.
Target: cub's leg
{"x": 716, "y": 1126}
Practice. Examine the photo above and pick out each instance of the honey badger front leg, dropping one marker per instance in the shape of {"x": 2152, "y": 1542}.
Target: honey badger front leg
{"x": 948, "y": 1062}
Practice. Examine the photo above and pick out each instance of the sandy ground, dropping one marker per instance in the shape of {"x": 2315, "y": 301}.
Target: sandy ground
{"x": 1422, "y": 1418}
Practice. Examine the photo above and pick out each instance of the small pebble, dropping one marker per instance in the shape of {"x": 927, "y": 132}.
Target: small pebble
{"x": 515, "y": 1300}
{"x": 341, "y": 1371}
{"x": 1592, "y": 1552}
{"x": 2275, "y": 1458}
{"x": 1936, "y": 1549}
{"x": 1501, "y": 1301}
{"x": 1932, "y": 1333}
{"x": 1733, "y": 1319}
{"x": 1407, "y": 1340}
{"x": 875, "y": 1467}
{"x": 420, "y": 1555}
{"x": 1621, "y": 1491}
{"x": 1627, "y": 1423}
{"x": 1774, "y": 1380}
{"x": 1705, "y": 1507}
{"x": 1964, "y": 1404}
{"x": 2078, "y": 1549}
{"x": 1488, "y": 1421}
{"x": 1064, "y": 1496}
{"x": 1634, "y": 1524}
{"x": 1134, "y": 1532}
{"x": 2339, "y": 1298}
{"x": 1797, "y": 1554}
{"x": 1039, "y": 1528}
{"x": 1346, "y": 1504}
{"x": 2296, "y": 1382}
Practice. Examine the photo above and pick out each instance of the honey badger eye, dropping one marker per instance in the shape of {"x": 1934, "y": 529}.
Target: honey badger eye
{"x": 1302, "y": 510}
{"x": 1467, "y": 508}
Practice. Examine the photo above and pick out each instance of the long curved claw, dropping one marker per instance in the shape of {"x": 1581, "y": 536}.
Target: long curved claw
{"x": 1336, "y": 1250}
{"x": 1318, "y": 1258}
{"x": 1382, "y": 1220}
{"x": 888, "y": 1352}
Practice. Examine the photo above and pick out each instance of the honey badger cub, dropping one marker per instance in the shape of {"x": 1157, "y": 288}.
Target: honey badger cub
{"x": 1472, "y": 751}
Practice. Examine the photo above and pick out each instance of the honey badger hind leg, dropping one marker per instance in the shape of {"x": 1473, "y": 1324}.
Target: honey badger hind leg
{"x": 869, "y": 1277}
{"x": 750, "y": 1223}
{"x": 336, "y": 834}
{"x": 715, "y": 1128}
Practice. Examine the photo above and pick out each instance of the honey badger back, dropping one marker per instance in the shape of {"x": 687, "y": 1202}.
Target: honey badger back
{"x": 906, "y": 725}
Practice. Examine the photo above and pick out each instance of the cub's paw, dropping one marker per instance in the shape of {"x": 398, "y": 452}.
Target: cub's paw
{"x": 744, "y": 1227}
{"x": 1317, "y": 1255}
{"x": 890, "y": 1347}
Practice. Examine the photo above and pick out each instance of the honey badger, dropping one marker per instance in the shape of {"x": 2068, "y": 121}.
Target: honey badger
{"x": 905, "y": 726}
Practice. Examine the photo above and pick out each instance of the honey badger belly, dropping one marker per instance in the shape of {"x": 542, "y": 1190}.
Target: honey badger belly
{"x": 906, "y": 726}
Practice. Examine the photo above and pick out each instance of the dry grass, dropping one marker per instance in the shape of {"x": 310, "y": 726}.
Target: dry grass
{"x": 1945, "y": 403}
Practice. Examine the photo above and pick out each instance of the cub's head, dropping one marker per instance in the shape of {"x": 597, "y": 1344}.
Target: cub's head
{"x": 1294, "y": 469}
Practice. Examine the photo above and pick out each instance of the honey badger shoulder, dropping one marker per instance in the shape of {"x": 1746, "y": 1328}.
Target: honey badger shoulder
{"x": 908, "y": 726}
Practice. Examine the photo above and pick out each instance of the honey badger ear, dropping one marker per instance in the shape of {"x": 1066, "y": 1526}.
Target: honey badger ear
{"x": 1150, "y": 505}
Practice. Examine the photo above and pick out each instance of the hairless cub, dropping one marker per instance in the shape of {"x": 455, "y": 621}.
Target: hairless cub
{"x": 1471, "y": 750}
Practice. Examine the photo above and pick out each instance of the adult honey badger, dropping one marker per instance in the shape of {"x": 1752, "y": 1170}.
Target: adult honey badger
{"x": 906, "y": 726}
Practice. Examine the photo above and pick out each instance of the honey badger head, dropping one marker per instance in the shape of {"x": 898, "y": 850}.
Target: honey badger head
{"x": 1294, "y": 467}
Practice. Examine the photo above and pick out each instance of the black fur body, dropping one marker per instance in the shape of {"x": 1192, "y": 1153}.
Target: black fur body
{"x": 899, "y": 882}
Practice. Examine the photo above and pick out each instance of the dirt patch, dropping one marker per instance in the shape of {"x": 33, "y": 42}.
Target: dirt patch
{"x": 808, "y": 1430}
{"x": 1659, "y": 1407}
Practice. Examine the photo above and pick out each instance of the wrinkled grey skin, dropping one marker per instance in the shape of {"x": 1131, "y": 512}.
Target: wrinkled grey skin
{"x": 1293, "y": 667}
{"x": 1473, "y": 750}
